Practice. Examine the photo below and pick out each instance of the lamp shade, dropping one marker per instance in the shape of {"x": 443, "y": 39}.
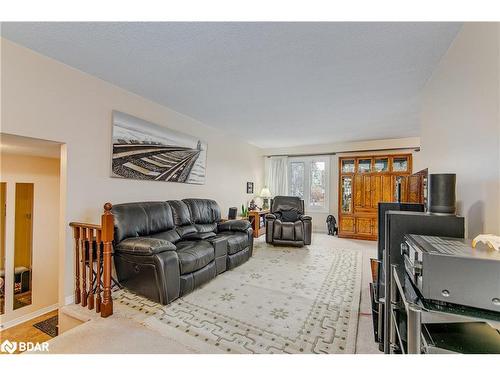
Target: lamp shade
{"x": 265, "y": 193}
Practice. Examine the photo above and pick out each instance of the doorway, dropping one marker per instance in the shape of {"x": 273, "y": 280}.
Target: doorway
{"x": 30, "y": 240}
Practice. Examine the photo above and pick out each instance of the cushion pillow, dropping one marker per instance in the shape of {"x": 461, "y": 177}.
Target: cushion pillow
{"x": 291, "y": 215}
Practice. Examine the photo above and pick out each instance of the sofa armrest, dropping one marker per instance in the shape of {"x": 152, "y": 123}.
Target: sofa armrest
{"x": 305, "y": 217}
{"x": 144, "y": 246}
{"x": 234, "y": 226}
{"x": 199, "y": 236}
{"x": 270, "y": 217}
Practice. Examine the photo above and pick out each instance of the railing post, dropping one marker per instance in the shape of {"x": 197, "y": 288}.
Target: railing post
{"x": 98, "y": 272}
{"x": 76, "y": 236}
{"x": 107, "y": 223}
{"x": 90, "y": 295}
{"x": 83, "y": 236}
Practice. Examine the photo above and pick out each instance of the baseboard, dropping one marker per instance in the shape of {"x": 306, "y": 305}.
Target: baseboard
{"x": 69, "y": 300}
{"x": 316, "y": 230}
{"x": 25, "y": 318}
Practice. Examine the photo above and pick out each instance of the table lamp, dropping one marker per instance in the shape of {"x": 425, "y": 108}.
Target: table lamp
{"x": 265, "y": 194}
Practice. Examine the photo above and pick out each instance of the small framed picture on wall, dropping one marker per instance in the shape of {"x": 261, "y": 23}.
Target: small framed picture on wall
{"x": 249, "y": 187}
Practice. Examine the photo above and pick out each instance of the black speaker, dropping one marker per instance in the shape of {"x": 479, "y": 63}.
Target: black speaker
{"x": 442, "y": 199}
{"x": 233, "y": 211}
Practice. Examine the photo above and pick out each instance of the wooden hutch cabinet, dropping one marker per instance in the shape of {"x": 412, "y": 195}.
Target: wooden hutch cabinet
{"x": 365, "y": 181}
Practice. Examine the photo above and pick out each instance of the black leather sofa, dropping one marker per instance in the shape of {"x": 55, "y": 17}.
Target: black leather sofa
{"x": 163, "y": 250}
{"x": 286, "y": 224}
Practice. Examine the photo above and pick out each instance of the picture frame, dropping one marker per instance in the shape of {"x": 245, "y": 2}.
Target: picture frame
{"x": 249, "y": 187}
{"x": 142, "y": 150}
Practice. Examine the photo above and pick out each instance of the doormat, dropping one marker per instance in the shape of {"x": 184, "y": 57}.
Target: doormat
{"x": 48, "y": 326}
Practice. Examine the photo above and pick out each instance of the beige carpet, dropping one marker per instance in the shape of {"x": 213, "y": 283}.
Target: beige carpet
{"x": 283, "y": 300}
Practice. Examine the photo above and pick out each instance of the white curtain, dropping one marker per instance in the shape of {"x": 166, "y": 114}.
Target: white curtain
{"x": 277, "y": 175}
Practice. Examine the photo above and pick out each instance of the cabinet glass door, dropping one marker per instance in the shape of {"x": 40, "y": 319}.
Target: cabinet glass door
{"x": 346, "y": 201}
{"x": 400, "y": 164}
{"x": 364, "y": 165}
{"x": 348, "y": 166}
{"x": 381, "y": 165}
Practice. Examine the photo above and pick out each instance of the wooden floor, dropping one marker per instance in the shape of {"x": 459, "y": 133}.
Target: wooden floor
{"x": 26, "y": 332}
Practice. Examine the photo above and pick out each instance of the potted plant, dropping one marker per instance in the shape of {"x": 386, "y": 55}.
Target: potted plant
{"x": 244, "y": 212}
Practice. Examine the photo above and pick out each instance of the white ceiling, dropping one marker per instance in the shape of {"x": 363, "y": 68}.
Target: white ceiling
{"x": 274, "y": 84}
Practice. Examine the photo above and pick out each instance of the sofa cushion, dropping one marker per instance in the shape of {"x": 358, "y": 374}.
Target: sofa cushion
{"x": 169, "y": 235}
{"x": 236, "y": 241}
{"x": 234, "y": 226}
{"x": 299, "y": 230}
{"x": 141, "y": 219}
{"x": 287, "y": 231}
{"x": 180, "y": 213}
{"x": 144, "y": 246}
{"x": 203, "y": 228}
{"x": 186, "y": 230}
{"x": 194, "y": 255}
{"x": 203, "y": 211}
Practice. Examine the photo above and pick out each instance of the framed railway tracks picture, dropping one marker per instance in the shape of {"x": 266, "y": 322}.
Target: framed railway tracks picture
{"x": 146, "y": 151}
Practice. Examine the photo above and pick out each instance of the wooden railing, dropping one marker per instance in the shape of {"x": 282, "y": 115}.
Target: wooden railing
{"x": 93, "y": 251}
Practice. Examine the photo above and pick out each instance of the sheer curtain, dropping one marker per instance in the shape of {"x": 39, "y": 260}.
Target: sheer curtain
{"x": 277, "y": 175}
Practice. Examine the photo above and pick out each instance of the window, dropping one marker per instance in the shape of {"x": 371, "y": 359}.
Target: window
{"x": 309, "y": 180}
{"x": 297, "y": 169}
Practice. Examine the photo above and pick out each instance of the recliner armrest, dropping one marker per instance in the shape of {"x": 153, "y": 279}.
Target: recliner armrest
{"x": 270, "y": 217}
{"x": 234, "y": 226}
{"x": 144, "y": 246}
{"x": 305, "y": 217}
{"x": 199, "y": 236}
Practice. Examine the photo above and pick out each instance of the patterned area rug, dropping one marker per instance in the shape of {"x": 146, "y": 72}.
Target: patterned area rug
{"x": 283, "y": 300}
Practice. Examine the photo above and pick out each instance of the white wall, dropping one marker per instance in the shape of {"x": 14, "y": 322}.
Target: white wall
{"x": 44, "y": 174}
{"x": 45, "y": 99}
{"x": 460, "y": 128}
{"x": 385, "y": 146}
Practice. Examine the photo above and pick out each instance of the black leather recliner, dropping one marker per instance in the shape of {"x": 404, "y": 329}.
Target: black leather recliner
{"x": 287, "y": 224}
{"x": 163, "y": 250}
